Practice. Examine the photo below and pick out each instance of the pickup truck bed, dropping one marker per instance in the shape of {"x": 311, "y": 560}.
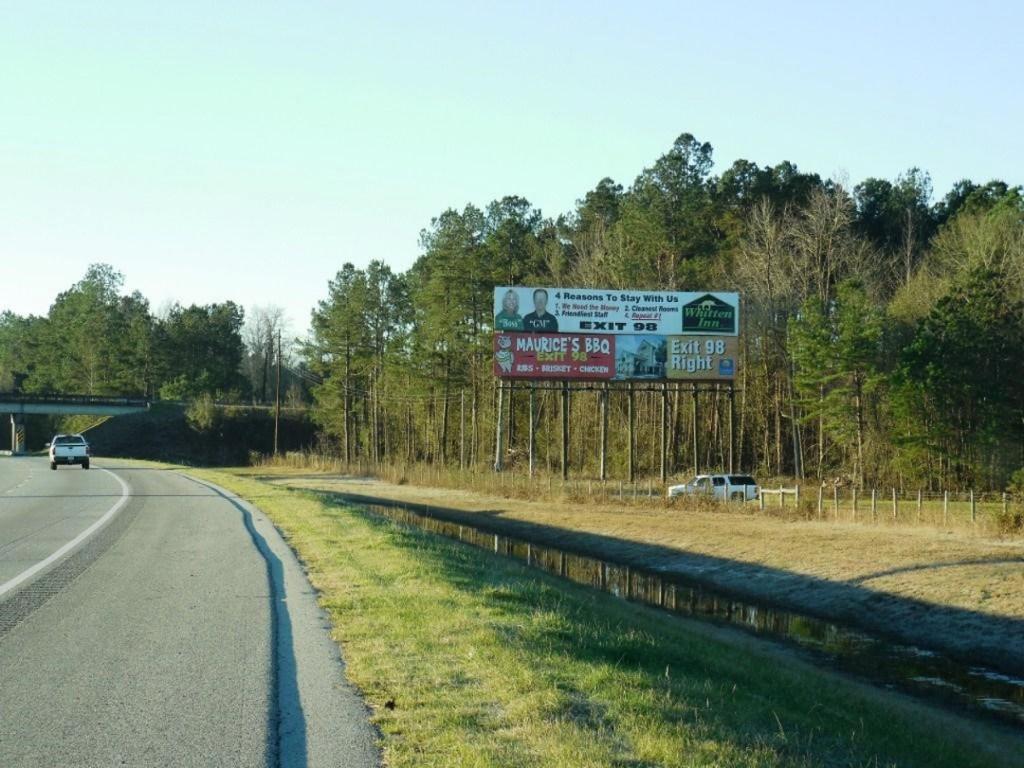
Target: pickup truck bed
{"x": 69, "y": 449}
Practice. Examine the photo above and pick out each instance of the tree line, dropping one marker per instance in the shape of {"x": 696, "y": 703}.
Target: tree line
{"x": 882, "y": 330}
{"x": 98, "y": 340}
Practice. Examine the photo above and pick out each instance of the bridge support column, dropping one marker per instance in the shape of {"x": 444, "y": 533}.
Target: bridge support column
{"x": 17, "y": 434}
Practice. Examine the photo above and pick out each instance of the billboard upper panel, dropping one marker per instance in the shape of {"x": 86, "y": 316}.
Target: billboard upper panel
{"x": 592, "y": 310}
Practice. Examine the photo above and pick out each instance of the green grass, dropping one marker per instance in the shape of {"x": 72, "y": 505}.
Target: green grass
{"x": 493, "y": 664}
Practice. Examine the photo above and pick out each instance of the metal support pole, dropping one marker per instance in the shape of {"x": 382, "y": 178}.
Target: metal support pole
{"x": 533, "y": 429}
{"x": 604, "y": 433}
{"x": 565, "y": 430}
{"x": 732, "y": 427}
{"x": 462, "y": 429}
{"x": 664, "y": 436}
{"x": 696, "y": 442}
{"x": 499, "y": 436}
{"x": 631, "y": 418}
{"x": 277, "y": 395}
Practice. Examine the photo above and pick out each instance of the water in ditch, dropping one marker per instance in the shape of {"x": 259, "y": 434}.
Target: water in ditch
{"x": 900, "y": 666}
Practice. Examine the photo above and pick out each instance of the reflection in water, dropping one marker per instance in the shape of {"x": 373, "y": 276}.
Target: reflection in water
{"x": 895, "y": 665}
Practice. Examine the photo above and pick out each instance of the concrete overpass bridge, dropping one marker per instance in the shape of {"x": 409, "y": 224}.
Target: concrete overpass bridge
{"x": 19, "y": 405}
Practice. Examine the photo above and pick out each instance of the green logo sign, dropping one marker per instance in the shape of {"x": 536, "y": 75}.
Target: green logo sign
{"x": 709, "y": 314}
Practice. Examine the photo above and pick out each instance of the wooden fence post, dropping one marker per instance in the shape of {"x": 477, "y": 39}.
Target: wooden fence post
{"x": 782, "y": 499}
{"x": 797, "y": 495}
{"x": 835, "y": 502}
{"x": 760, "y": 501}
{"x": 855, "y": 504}
{"x": 1006, "y": 506}
{"x": 895, "y": 507}
{"x": 974, "y": 508}
{"x": 945, "y": 507}
{"x": 821, "y": 493}
{"x": 874, "y": 505}
{"x": 919, "y": 506}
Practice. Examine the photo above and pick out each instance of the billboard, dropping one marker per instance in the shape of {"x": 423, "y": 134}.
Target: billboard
{"x": 622, "y": 357}
{"x": 615, "y": 312}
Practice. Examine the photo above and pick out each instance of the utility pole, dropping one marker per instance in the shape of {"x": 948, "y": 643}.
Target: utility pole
{"x": 277, "y": 399}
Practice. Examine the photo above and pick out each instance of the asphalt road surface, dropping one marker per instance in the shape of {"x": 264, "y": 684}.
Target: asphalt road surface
{"x": 147, "y": 619}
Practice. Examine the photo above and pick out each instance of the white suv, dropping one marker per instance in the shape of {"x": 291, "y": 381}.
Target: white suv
{"x": 721, "y": 487}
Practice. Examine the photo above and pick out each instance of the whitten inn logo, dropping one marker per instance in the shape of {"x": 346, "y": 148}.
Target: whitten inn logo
{"x": 709, "y": 314}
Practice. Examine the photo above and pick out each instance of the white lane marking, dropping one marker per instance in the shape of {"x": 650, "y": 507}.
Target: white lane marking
{"x": 28, "y": 573}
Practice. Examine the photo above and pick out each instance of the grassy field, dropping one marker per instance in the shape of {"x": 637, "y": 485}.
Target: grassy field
{"x": 488, "y": 663}
{"x": 954, "y": 589}
{"x": 990, "y": 513}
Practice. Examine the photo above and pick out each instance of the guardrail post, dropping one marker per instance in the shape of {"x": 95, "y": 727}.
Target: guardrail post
{"x": 974, "y": 508}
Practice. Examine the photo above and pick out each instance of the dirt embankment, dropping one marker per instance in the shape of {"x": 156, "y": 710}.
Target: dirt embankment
{"x": 942, "y": 589}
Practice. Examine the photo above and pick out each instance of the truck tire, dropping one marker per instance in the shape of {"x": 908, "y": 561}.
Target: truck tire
{"x": 53, "y": 465}
{"x": 85, "y": 464}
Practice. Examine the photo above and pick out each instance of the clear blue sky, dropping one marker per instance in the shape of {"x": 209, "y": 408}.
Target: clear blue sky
{"x": 245, "y": 150}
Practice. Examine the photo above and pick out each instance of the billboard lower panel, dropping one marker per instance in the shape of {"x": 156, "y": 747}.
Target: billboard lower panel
{"x": 632, "y": 357}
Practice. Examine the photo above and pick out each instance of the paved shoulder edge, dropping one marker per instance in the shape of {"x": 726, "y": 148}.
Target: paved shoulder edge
{"x": 321, "y": 718}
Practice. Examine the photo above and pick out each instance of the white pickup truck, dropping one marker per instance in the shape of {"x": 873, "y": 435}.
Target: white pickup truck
{"x": 69, "y": 449}
{"x": 721, "y": 487}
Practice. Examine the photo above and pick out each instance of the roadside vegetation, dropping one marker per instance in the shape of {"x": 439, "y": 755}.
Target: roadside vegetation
{"x": 959, "y": 588}
{"x": 469, "y": 659}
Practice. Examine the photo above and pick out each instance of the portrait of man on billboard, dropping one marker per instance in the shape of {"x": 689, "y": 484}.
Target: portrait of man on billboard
{"x": 509, "y": 318}
{"x": 540, "y": 320}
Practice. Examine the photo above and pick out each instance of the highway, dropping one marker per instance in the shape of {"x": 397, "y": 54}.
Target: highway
{"x": 147, "y": 619}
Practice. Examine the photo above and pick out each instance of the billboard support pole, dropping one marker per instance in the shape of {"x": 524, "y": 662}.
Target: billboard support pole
{"x": 732, "y": 427}
{"x": 510, "y": 434}
{"x": 532, "y": 431}
{"x": 631, "y": 418}
{"x": 565, "y": 430}
{"x": 462, "y": 429}
{"x": 499, "y": 424}
{"x": 696, "y": 441}
{"x": 603, "y": 400}
{"x": 664, "y": 437}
